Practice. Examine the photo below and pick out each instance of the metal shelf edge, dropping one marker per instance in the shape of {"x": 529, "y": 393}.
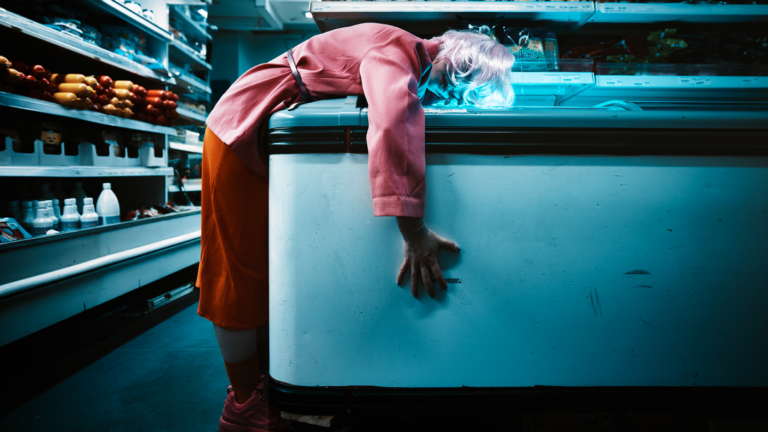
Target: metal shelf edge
{"x": 186, "y": 147}
{"x": 81, "y": 171}
{"x": 191, "y": 115}
{"x": 22, "y": 102}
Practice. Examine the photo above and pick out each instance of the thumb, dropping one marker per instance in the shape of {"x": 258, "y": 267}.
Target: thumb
{"x": 447, "y": 244}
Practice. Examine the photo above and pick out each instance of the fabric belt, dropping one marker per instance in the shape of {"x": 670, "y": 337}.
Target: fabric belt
{"x": 304, "y": 93}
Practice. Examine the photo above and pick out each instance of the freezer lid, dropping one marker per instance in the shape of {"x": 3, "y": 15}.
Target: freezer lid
{"x": 616, "y": 127}
{"x": 352, "y": 112}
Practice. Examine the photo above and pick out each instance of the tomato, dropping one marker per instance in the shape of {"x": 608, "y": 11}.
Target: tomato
{"x": 43, "y": 84}
{"x": 105, "y": 81}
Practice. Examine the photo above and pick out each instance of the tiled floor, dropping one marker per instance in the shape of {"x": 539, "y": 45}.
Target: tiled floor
{"x": 170, "y": 378}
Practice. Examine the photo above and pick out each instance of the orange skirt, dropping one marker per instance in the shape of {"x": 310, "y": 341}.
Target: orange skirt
{"x": 234, "y": 264}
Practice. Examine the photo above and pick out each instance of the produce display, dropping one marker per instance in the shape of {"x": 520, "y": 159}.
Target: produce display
{"x": 672, "y": 46}
{"x": 99, "y": 93}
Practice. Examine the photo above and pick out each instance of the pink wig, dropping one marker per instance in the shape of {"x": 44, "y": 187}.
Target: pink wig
{"x": 480, "y": 68}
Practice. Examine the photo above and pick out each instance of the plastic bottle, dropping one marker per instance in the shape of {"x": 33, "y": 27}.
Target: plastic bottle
{"x": 27, "y": 216}
{"x": 53, "y": 206}
{"x": 70, "y": 220}
{"x": 108, "y": 207}
{"x": 35, "y": 205}
{"x": 45, "y": 192}
{"x": 89, "y": 218}
{"x": 59, "y": 192}
{"x": 42, "y": 223}
{"x": 14, "y": 210}
{"x": 78, "y": 194}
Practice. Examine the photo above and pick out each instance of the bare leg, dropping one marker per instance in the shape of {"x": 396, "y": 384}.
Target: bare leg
{"x": 238, "y": 349}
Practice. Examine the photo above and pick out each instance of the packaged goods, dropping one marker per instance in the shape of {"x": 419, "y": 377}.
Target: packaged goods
{"x": 42, "y": 222}
{"x": 14, "y": 211}
{"x": 90, "y": 218}
{"x": 56, "y": 214}
{"x": 11, "y": 230}
{"x": 107, "y": 206}
{"x": 79, "y": 195}
{"x": 527, "y": 46}
{"x": 70, "y": 220}
{"x": 551, "y": 51}
{"x": 486, "y": 27}
{"x": 26, "y": 214}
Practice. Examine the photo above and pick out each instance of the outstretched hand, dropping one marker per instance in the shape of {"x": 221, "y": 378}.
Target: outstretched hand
{"x": 421, "y": 258}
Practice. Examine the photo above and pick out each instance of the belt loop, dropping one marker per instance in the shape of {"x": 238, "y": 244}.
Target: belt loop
{"x": 304, "y": 93}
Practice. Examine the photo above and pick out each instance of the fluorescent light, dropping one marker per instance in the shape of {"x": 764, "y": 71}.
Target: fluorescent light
{"x": 308, "y": 14}
{"x": 203, "y": 12}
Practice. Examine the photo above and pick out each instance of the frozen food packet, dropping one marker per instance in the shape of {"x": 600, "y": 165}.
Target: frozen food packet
{"x": 661, "y": 34}
{"x": 484, "y": 26}
{"x": 527, "y": 48}
{"x": 551, "y": 51}
{"x": 10, "y": 230}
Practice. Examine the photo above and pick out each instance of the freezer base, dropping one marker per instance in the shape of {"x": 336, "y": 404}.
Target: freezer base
{"x": 335, "y": 400}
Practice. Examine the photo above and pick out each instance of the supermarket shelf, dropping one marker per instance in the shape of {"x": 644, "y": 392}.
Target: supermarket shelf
{"x": 188, "y": 188}
{"x": 190, "y": 24}
{"x": 678, "y": 12}
{"x": 746, "y": 83}
{"x": 186, "y": 147}
{"x": 118, "y": 9}
{"x": 191, "y": 115}
{"x": 190, "y": 83}
{"x": 189, "y": 54}
{"x": 35, "y": 105}
{"x": 552, "y": 78}
{"x": 73, "y": 44}
{"x": 426, "y": 17}
{"x": 81, "y": 171}
{"x": 88, "y": 267}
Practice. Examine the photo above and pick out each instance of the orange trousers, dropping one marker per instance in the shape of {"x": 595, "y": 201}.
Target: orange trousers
{"x": 234, "y": 264}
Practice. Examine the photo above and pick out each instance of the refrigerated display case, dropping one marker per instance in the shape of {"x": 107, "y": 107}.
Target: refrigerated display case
{"x": 610, "y": 255}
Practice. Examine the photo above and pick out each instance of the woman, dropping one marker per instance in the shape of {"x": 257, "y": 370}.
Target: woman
{"x": 395, "y": 70}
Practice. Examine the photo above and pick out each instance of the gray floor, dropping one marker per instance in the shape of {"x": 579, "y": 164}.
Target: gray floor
{"x": 170, "y": 378}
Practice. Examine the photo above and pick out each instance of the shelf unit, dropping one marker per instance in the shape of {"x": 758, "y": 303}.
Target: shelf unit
{"x": 190, "y": 26}
{"x": 34, "y": 105}
{"x": 84, "y": 268}
{"x": 119, "y": 10}
{"x": 191, "y": 115}
{"x": 677, "y": 12}
{"x": 561, "y": 17}
{"x": 189, "y": 148}
{"x": 187, "y": 53}
{"x": 40, "y": 32}
{"x": 435, "y": 17}
{"x": 189, "y": 188}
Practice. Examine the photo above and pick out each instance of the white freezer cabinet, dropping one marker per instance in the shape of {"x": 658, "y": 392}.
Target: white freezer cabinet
{"x": 608, "y": 256}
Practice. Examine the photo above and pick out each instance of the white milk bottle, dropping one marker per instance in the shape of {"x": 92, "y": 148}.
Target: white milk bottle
{"x": 108, "y": 207}
{"x": 42, "y": 223}
{"x": 90, "y": 218}
{"x": 70, "y": 220}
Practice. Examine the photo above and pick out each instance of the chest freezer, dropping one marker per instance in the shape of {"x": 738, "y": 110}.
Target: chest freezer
{"x": 609, "y": 255}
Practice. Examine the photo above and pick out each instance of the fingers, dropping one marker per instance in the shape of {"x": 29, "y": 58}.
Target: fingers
{"x": 427, "y": 280}
{"x": 438, "y": 274}
{"x": 403, "y": 269}
{"x": 414, "y": 279}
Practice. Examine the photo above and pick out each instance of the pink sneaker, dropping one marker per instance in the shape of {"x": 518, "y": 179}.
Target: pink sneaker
{"x": 255, "y": 415}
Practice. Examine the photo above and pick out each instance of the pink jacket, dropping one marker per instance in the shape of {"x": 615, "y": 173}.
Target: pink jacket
{"x": 388, "y": 65}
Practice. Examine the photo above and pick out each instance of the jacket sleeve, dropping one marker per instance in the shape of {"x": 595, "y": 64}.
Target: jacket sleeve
{"x": 396, "y": 161}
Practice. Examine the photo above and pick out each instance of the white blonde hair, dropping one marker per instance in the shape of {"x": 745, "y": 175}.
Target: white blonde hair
{"x": 480, "y": 67}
